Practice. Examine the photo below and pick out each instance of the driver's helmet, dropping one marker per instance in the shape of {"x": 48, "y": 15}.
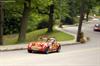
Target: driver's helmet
{"x": 51, "y": 40}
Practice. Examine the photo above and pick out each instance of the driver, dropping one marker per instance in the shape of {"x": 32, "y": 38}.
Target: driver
{"x": 51, "y": 41}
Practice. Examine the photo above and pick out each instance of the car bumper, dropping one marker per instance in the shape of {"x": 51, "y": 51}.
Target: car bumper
{"x": 36, "y": 49}
{"x": 96, "y": 29}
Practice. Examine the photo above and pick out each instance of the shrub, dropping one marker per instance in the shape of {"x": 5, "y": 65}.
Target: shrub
{"x": 42, "y": 24}
{"x": 82, "y": 40}
{"x": 11, "y": 26}
{"x": 81, "y": 35}
{"x": 68, "y": 20}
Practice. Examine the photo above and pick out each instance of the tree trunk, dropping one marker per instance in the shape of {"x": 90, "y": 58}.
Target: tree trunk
{"x": 60, "y": 13}
{"x": 87, "y": 15}
{"x": 1, "y": 23}
{"x": 24, "y": 19}
{"x": 51, "y": 20}
{"x": 80, "y": 21}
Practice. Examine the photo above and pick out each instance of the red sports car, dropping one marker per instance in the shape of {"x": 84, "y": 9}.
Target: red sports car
{"x": 97, "y": 27}
{"x": 49, "y": 45}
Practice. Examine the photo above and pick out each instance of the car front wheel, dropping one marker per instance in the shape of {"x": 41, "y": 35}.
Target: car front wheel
{"x": 47, "y": 50}
{"x": 58, "y": 49}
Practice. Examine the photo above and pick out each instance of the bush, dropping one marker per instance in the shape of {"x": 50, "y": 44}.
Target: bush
{"x": 68, "y": 20}
{"x": 76, "y": 20}
{"x": 42, "y": 24}
{"x": 11, "y": 26}
{"x": 83, "y": 39}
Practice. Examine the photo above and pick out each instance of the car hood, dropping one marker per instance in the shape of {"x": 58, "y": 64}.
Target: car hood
{"x": 40, "y": 43}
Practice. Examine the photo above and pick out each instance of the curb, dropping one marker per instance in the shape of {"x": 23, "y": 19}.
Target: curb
{"x": 15, "y": 49}
{"x": 24, "y": 48}
{"x": 71, "y": 44}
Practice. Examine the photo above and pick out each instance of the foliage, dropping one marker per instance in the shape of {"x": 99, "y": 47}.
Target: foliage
{"x": 40, "y": 9}
{"x": 97, "y": 10}
{"x": 73, "y": 7}
{"x": 66, "y": 10}
{"x": 42, "y": 24}
{"x": 67, "y": 20}
{"x": 13, "y": 13}
{"x": 61, "y": 8}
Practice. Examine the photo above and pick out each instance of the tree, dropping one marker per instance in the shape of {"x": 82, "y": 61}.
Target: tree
{"x": 73, "y": 8}
{"x": 1, "y": 22}
{"x": 47, "y": 9}
{"x": 81, "y": 20}
{"x": 51, "y": 20}
{"x": 89, "y": 4}
{"x": 24, "y": 19}
{"x": 62, "y": 10}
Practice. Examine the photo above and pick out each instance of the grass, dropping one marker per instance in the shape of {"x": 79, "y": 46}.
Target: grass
{"x": 34, "y": 35}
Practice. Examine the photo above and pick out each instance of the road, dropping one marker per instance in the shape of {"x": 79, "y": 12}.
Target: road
{"x": 87, "y": 54}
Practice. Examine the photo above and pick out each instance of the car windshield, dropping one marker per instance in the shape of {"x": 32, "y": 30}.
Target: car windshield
{"x": 46, "y": 39}
{"x": 51, "y": 40}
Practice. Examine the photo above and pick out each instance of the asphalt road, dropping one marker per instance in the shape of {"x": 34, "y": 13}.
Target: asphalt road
{"x": 87, "y": 54}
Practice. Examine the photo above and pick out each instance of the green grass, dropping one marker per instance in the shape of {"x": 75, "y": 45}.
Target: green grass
{"x": 34, "y": 35}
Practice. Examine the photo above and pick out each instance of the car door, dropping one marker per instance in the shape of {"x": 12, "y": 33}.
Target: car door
{"x": 54, "y": 46}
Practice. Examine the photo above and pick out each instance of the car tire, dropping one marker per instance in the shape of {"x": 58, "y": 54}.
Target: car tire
{"x": 58, "y": 49}
{"x": 29, "y": 51}
{"x": 47, "y": 50}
